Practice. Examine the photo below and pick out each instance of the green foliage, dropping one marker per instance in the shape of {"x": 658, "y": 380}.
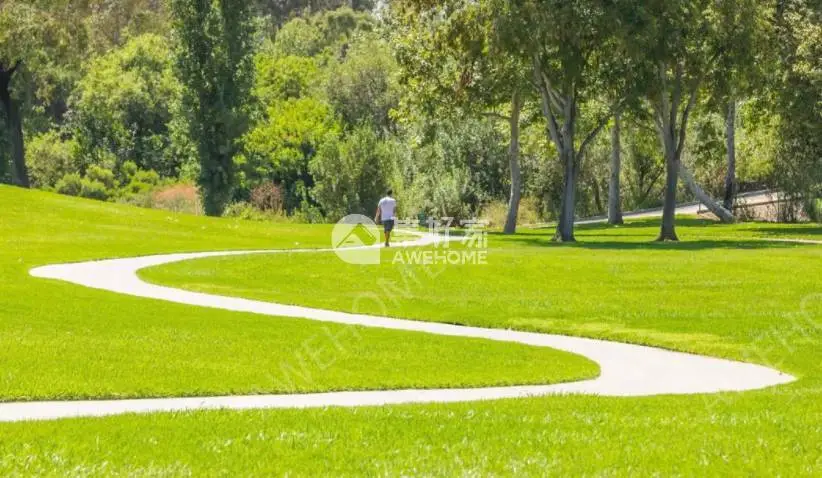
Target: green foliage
{"x": 126, "y": 106}
{"x": 71, "y": 184}
{"x": 215, "y": 63}
{"x": 495, "y": 213}
{"x": 283, "y": 78}
{"x": 88, "y": 187}
{"x": 50, "y": 157}
{"x": 352, "y": 175}
{"x": 42, "y": 35}
{"x": 101, "y": 175}
{"x": 362, "y": 87}
{"x": 298, "y": 37}
{"x": 93, "y": 189}
{"x": 280, "y": 147}
{"x": 799, "y": 100}
{"x": 327, "y": 32}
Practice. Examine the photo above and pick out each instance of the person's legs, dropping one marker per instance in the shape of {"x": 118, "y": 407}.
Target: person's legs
{"x": 388, "y": 226}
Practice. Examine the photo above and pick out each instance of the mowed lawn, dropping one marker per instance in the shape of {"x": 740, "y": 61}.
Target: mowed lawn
{"x": 723, "y": 291}
{"x": 62, "y": 341}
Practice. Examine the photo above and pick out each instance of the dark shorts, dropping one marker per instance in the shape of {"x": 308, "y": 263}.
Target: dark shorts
{"x": 388, "y": 225}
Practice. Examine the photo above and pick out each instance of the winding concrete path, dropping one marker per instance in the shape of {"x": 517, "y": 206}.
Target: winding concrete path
{"x": 626, "y": 370}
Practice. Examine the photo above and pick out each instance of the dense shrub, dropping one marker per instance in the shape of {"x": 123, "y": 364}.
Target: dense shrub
{"x": 244, "y": 210}
{"x": 351, "y": 176}
{"x": 93, "y": 189}
{"x": 267, "y": 197}
{"x": 101, "y": 175}
{"x": 71, "y": 184}
{"x": 50, "y": 158}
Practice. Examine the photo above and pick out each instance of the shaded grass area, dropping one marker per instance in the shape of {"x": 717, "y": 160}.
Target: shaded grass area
{"x": 62, "y": 341}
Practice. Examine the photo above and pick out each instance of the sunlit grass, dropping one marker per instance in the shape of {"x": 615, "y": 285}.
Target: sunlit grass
{"x": 723, "y": 291}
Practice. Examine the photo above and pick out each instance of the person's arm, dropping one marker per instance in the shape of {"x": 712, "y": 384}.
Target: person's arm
{"x": 377, "y": 215}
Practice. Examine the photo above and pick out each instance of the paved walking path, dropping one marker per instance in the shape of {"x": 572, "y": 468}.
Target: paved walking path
{"x": 626, "y": 370}
{"x": 692, "y": 208}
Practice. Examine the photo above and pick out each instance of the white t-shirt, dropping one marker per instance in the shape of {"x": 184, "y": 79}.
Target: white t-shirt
{"x": 387, "y": 206}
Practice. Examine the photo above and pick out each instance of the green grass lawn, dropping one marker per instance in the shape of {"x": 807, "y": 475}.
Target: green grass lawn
{"x": 722, "y": 291}
{"x": 59, "y": 340}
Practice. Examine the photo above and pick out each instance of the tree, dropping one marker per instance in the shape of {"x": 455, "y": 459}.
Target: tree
{"x": 798, "y": 101}
{"x": 614, "y": 199}
{"x": 34, "y": 43}
{"x": 215, "y": 64}
{"x": 571, "y": 49}
{"x": 741, "y": 72}
{"x": 281, "y": 147}
{"x": 20, "y": 176}
{"x": 678, "y": 45}
{"x": 127, "y": 105}
{"x": 453, "y": 64}
{"x": 351, "y": 176}
{"x": 362, "y": 86}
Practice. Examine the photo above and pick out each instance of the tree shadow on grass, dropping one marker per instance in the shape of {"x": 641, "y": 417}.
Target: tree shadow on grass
{"x": 788, "y": 231}
{"x": 643, "y": 223}
{"x": 650, "y": 244}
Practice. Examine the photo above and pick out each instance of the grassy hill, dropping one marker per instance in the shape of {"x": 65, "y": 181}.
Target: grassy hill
{"x": 723, "y": 291}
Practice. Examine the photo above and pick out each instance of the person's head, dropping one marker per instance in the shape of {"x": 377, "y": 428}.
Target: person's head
{"x": 389, "y": 193}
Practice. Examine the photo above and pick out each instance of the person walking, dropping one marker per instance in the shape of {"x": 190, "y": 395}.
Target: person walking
{"x": 385, "y": 214}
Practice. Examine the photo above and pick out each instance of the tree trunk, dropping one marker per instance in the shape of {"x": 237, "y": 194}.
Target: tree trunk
{"x": 730, "y": 138}
{"x": 20, "y": 176}
{"x": 669, "y": 146}
{"x": 516, "y": 173}
{"x": 568, "y": 158}
{"x": 565, "y": 226}
{"x": 723, "y": 214}
{"x": 668, "y": 230}
{"x": 614, "y": 200}
{"x": 597, "y": 196}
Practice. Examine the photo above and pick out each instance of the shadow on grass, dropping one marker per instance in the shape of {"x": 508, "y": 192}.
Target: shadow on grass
{"x": 788, "y": 231}
{"x": 643, "y": 223}
{"x": 649, "y": 245}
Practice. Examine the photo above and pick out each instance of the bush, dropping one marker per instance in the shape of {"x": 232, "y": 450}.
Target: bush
{"x": 71, "y": 184}
{"x": 244, "y": 210}
{"x": 182, "y": 198}
{"x": 352, "y": 175}
{"x": 93, "y": 189}
{"x": 148, "y": 177}
{"x": 496, "y": 212}
{"x": 50, "y": 159}
{"x": 267, "y": 197}
{"x": 101, "y": 175}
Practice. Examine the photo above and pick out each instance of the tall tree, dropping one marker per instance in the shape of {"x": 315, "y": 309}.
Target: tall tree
{"x": 453, "y": 63}
{"x": 614, "y": 197}
{"x": 36, "y": 40}
{"x": 20, "y": 176}
{"x": 216, "y": 66}
{"x": 679, "y": 45}
{"x": 798, "y": 100}
{"x": 571, "y": 49}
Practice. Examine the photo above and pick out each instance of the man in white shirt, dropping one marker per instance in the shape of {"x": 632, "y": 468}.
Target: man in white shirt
{"x": 385, "y": 214}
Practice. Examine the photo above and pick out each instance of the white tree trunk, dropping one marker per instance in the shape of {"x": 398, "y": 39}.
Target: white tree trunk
{"x": 730, "y": 139}
{"x": 723, "y": 214}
